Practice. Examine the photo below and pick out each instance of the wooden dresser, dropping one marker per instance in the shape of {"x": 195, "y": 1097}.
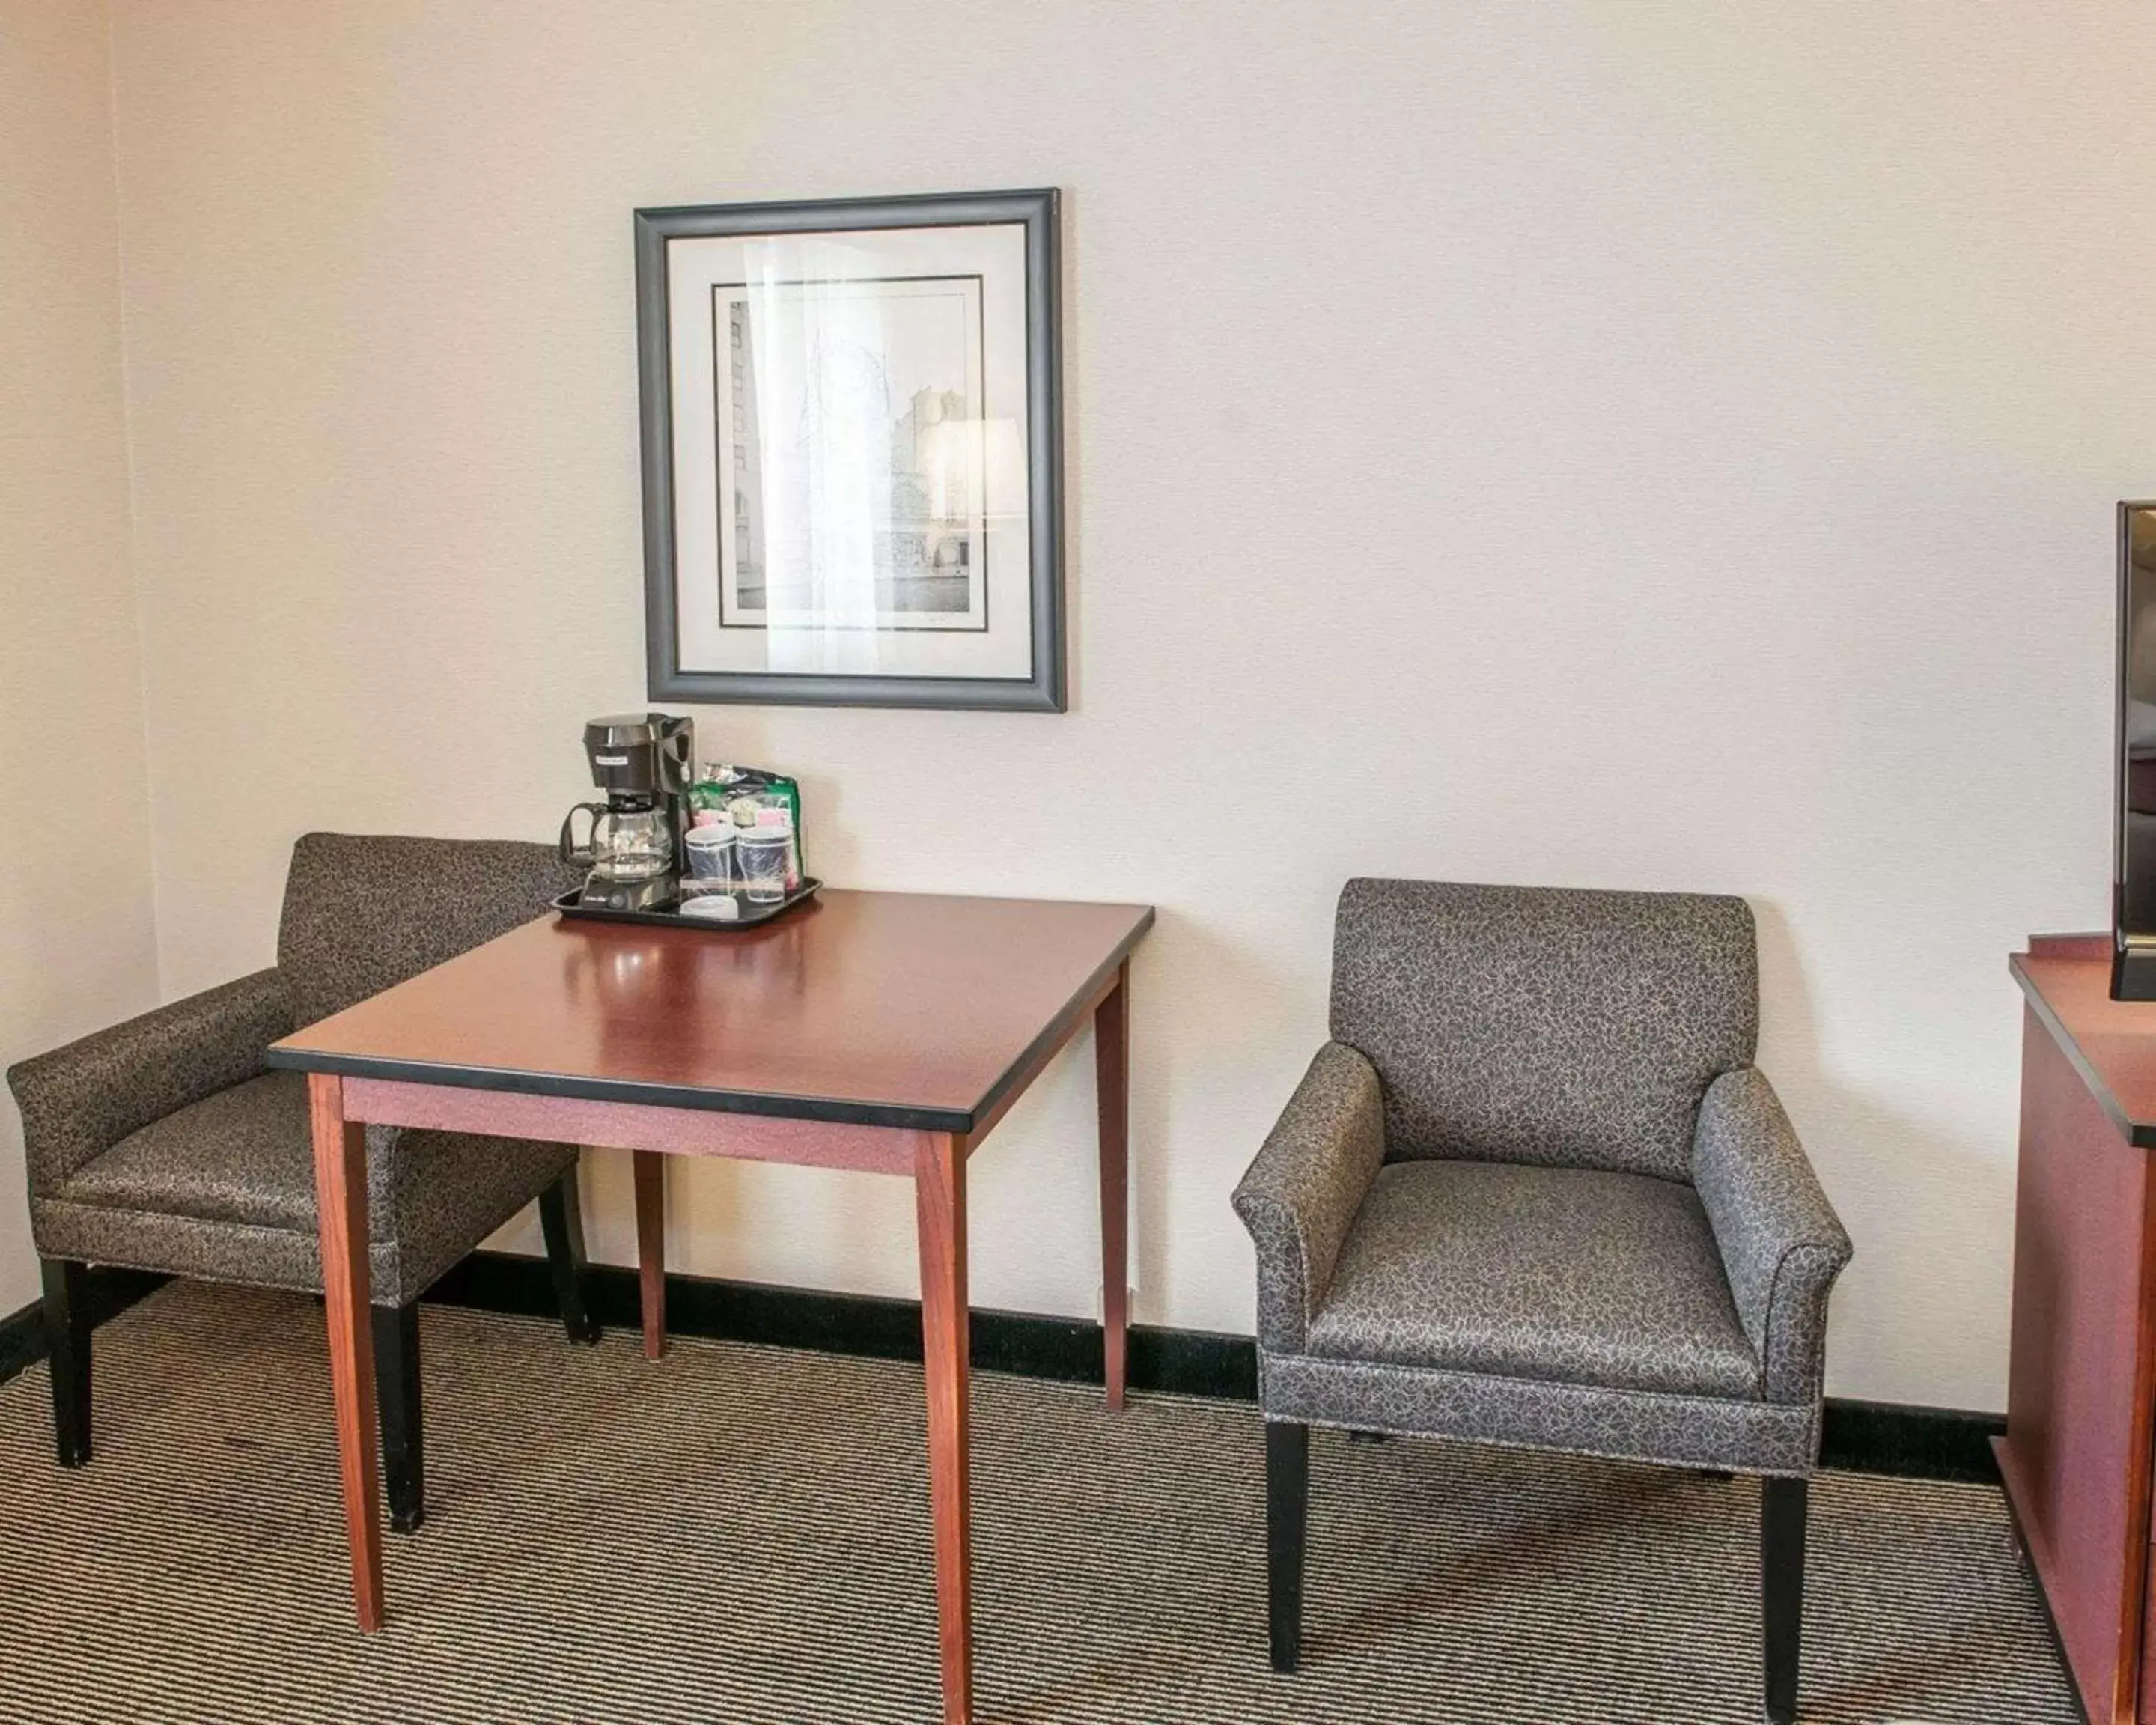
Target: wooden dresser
{"x": 2079, "y": 1456}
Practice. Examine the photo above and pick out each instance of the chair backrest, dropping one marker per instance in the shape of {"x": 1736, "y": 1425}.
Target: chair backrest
{"x": 362, "y": 914}
{"x": 1537, "y": 1024}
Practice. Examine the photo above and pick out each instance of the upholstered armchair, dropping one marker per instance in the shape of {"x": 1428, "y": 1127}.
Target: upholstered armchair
{"x": 163, "y": 1144}
{"x": 1534, "y": 1193}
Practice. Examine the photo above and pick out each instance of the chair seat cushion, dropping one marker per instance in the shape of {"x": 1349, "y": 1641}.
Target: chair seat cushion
{"x": 1570, "y": 1275}
{"x": 244, "y": 1158}
{"x": 239, "y": 1155}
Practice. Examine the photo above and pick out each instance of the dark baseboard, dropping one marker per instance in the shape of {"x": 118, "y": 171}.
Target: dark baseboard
{"x": 1921, "y": 1443}
{"x": 1183, "y": 1361}
{"x": 22, "y": 1333}
{"x": 22, "y": 1339}
{"x": 1863, "y": 1437}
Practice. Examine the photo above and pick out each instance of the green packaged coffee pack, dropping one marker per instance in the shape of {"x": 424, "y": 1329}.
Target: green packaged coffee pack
{"x": 741, "y": 793}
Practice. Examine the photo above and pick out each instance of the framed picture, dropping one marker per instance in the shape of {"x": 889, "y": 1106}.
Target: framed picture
{"x": 852, "y": 451}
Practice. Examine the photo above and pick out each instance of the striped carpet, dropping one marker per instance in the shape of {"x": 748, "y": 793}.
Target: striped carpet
{"x": 740, "y": 1534}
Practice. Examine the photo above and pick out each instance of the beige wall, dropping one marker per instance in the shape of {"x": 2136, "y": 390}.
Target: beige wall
{"x": 1628, "y": 444}
{"x": 77, "y": 949}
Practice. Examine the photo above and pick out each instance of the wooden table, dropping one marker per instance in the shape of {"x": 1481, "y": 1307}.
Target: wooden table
{"x": 881, "y": 1031}
{"x": 2079, "y": 1457}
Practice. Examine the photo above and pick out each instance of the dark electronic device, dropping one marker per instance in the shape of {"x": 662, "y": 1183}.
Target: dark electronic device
{"x": 643, "y": 764}
{"x": 2133, "y": 854}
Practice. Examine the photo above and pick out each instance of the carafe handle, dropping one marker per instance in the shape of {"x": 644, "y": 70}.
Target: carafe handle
{"x": 584, "y": 856}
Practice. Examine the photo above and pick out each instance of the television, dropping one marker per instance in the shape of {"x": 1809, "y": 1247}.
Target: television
{"x": 2134, "y": 864}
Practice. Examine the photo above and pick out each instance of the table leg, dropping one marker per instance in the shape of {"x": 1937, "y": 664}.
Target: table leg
{"x": 939, "y": 1185}
{"x": 341, "y": 1198}
{"x": 651, "y": 1247}
{"x": 1111, "y": 1041}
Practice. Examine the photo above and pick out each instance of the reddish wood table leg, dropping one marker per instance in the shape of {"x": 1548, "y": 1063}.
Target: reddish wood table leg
{"x": 1111, "y": 1041}
{"x": 340, "y": 1196}
{"x": 651, "y": 1247}
{"x": 939, "y": 1185}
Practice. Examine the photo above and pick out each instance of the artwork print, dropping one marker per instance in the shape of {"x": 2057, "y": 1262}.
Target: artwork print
{"x": 852, "y": 427}
{"x": 850, "y": 443}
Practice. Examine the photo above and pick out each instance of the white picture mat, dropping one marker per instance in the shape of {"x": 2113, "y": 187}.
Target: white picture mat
{"x": 837, "y": 643}
{"x": 919, "y": 336}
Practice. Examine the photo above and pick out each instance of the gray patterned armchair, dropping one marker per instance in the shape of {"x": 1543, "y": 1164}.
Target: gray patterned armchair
{"x": 1534, "y": 1193}
{"x": 162, "y": 1143}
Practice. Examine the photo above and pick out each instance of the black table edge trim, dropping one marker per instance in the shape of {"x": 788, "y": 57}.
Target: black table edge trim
{"x": 827, "y": 1111}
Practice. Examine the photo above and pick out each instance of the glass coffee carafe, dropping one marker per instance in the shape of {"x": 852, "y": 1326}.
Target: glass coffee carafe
{"x": 631, "y": 839}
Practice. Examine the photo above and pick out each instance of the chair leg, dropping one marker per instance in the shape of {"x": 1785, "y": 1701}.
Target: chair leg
{"x": 561, "y": 1221}
{"x": 403, "y": 1417}
{"x": 67, "y": 1348}
{"x": 1782, "y": 1506}
{"x": 1287, "y": 1517}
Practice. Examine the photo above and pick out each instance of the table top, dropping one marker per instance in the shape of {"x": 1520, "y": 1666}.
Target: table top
{"x": 2111, "y": 1042}
{"x": 878, "y": 1008}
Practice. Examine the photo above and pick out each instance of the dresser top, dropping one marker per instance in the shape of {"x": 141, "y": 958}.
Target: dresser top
{"x": 2112, "y": 1043}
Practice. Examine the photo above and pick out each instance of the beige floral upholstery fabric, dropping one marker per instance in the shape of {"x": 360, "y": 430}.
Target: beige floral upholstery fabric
{"x": 1575, "y": 1029}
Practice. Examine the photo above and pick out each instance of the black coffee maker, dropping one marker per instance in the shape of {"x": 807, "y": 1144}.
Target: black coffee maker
{"x": 643, "y": 761}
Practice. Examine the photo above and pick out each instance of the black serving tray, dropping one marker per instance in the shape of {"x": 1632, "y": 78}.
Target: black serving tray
{"x": 667, "y": 913}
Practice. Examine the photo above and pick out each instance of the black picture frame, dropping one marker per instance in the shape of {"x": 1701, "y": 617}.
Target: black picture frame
{"x": 1038, "y": 213}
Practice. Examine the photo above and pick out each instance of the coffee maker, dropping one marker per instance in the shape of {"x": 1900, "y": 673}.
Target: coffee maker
{"x": 642, "y": 761}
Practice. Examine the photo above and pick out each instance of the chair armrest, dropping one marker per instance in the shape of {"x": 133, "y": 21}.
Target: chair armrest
{"x": 1299, "y": 1196}
{"x": 79, "y": 1100}
{"x": 1781, "y": 1244}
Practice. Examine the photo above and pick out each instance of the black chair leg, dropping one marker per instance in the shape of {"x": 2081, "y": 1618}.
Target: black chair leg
{"x": 403, "y": 1419}
{"x": 1782, "y": 1506}
{"x": 1287, "y": 1518}
{"x": 67, "y": 1347}
{"x": 561, "y": 1221}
